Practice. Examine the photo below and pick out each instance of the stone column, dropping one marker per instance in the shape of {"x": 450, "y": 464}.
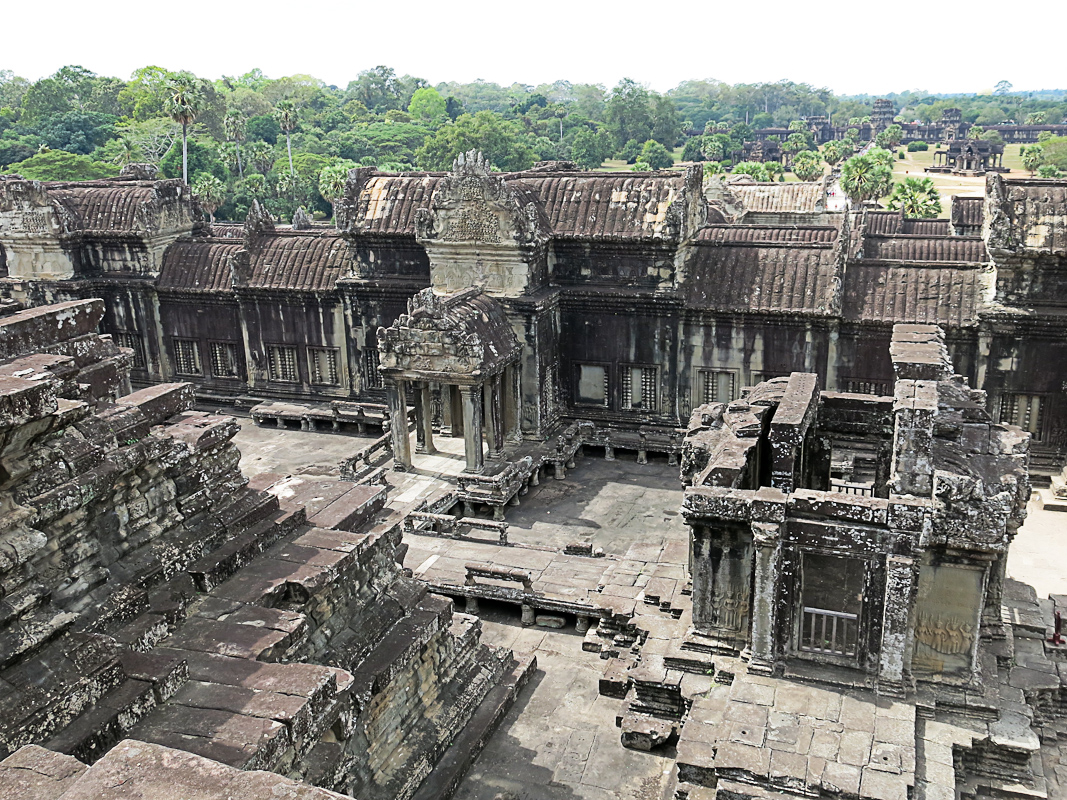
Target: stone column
{"x": 424, "y": 420}
{"x": 398, "y": 418}
{"x": 446, "y": 410}
{"x": 767, "y": 543}
{"x": 513, "y": 391}
{"x": 899, "y": 581}
{"x": 471, "y": 398}
{"x": 994, "y": 597}
{"x": 495, "y": 417}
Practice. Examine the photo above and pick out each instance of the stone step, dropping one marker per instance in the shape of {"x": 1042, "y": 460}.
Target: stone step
{"x": 95, "y": 732}
{"x": 36, "y": 773}
{"x": 441, "y": 783}
{"x": 212, "y": 569}
{"x": 1050, "y": 501}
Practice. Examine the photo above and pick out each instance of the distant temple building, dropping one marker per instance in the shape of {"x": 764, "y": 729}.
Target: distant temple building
{"x": 629, "y": 298}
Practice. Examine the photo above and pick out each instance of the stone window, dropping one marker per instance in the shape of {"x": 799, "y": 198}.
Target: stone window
{"x": 639, "y": 387}
{"x": 592, "y": 385}
{"x": 718, "y": 386}
{"x": 862, "y": 386}
{"x": 1025, "y": 410}
{"x": 135, "y": 342}
{"x": 322, "y": 365}
{"x": 187, "y": 357}
{"x": 831, "y": 605}
{"x": 281, "y": 362}
{"x": 225, "y": 361}
{"x": 371, "y": 376}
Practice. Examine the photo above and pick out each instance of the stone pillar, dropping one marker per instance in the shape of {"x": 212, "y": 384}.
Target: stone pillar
{"x": 992, "y": 623}
{"x": 471, "y": 605}
{"x": 471, "y": 398}
{"x": 767, "y": 542}
{"x": 398, "y": 417}
{"x": 899, "y": 581}
{"x": 446, "y": 410}
{"x": 529, "y": 616}
{"x": 582, "y": 624}
{"x": 494, "y": 423}
{"x": 513, "y": 392}
{"x": 609, "y": 451}
{"x": 457, "y": 412}
{"x": 424, "y": 420}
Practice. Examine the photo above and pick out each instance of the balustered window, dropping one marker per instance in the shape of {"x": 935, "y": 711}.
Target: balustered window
{"x": 134, "y": 342}
{"x": 225, "y": 360}
{"x": 322, "y": 365}
{"x": 718, "y": 386}
{"x": 187, "y": 357}
{"x": 281, "y": 363}
{"x": 593, "y": 386}
{"x": 638, "y": 388}
{"x": 1025, "y": 410}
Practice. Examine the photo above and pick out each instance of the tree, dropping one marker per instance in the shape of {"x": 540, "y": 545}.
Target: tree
{"x": 773, "y": 169}
{"x": 1002, "y": 87}
{"x": 260, "y": 155}
{"x": 753, "y": 169}
{"x": 836, "y": 151}
{"x": 1048, "y": 171}
{"x": 428, "y": 106}
{"x": 198, "y": 157}
{"x": 209, "y": 192}
{"x": 185, "y": 101}
{"x": 1032, "y": 157}
{"x": 589, "y": 149}
{"x": 628, "y": 113}
{"x": 656, "y": 155}
{"x": 59, "y": 165}
{"x": 806, "y": 165}
{"x": 234, "y": 125}
{"x": 692, "y": 151}
{"x": 713, "y": 168}
{"x": 916, "y": 197}
{"x": 865, "y": 177}
{"x": 333, "y": 180}
{"x": 153, "y": 137}
{"x": 285, "y": 115}
{"x": 496, "y": 138}
{"x": 894, "y": 133}
{"x": 1036, "y": 118}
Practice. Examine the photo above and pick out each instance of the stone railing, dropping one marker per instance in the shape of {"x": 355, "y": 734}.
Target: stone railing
{"x": 337, "y": 416}
{"x": 500, "y": 489}
{"x": 359, "y": 467}
{"x": 498, "y": 574}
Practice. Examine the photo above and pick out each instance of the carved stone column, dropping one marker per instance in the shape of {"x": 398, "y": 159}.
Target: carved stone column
{"x": 899, "y": 581}
{"x": 471, "y": 399}
{"x": 424, "y": 420}
{"x": 513, "y": 389}
{"x": 494, "y": 425}
{"x": 446, "y": 410}
{"x": 398, "y": 416}
{"x": 767, "y": 541}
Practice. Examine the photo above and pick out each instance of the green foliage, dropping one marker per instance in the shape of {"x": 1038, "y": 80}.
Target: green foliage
{"x": 836, "y": 151}
{"x": 881, "y": 156}
{"x": 629, "y": 151}
{"x": 428, "y": 106}
{"x": 1044, "y": 136}
{"x": 589, "y": 149}
{"x": 260, "y": 155}
{"x": 202, "y": 158}
{"x": 713, "y": 168}
{"x": 692, "y": 151}
{"x": 773, "y": 169}
{"x": 263, "y": 128}
{"x": 1048, "y": 171}
{"x": 332, "y": 180}
{"x": 807, "y": 166}
{"x": 656, "y": 155}
{"x": 918, "y": 147}
{"x": 497, "y": 139}
{"x": 209, "y": 192}
{"x": 754, "y": 169}
{"x": 1033, "y": 157}
{"x": 866, "y": 177}
{"x": 58, "y": 165}
{"x": 916, "y": 197}
{"x": 1054, "y": 152}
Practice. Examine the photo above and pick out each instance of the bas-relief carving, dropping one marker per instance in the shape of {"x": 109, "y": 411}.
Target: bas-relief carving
{"x": 946, "y": 620}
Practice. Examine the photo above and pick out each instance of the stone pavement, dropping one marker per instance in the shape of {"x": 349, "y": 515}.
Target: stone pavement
{"x": 559, "y": 741}
{"x": 800, "y": 738}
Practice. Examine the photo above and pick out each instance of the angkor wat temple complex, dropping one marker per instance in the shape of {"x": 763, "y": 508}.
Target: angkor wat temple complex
{"x": 854, "y": 403}
{"x": 635, "y": 297}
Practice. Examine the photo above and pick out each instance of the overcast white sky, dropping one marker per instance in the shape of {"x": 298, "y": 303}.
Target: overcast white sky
{"x": 655, "y": 43}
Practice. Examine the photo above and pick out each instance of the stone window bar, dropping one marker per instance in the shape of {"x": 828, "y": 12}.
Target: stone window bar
{"x": 225, "y": 360}
{"x": 135, "y": 342}
{"x": 187, "y": 357}
{"x": 322, "y": 365}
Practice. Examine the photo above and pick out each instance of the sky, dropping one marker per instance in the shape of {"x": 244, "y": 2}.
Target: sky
{"x": 656, "y": 44}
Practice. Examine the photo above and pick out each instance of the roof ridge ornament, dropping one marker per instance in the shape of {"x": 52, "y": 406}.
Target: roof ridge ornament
{"x": 472, "y": 164}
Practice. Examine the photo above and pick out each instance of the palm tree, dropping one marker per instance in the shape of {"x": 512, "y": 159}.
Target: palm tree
{"x": 285, "y": 114}
{"x": 916, "y": 197}
{"x": 332, "y": 182}
{"x": 806, "y": 165}
{"x": 185, "y": 101}
{"x": 210, "y": 192}
{"x": 234, "y": 125}
{"x": 260, "y": 155}
{"x": 127, "y": 148}
{"x": 864, "y": 178}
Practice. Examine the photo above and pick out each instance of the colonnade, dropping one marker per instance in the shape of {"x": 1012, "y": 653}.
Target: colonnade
{"x": 483, "y": 412}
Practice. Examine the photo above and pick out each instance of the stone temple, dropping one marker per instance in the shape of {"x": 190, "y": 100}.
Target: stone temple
{"x": 848, "y": 407}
